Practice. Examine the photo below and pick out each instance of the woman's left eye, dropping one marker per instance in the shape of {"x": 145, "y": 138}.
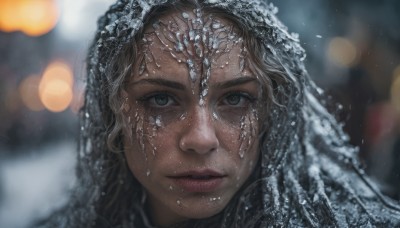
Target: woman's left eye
{"x": 161, "y": 99}
{"x": 237, "y": 99}
{"x": 158, "y": 100}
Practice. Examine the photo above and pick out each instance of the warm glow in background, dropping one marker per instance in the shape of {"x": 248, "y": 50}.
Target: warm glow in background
{"x": 33, "y": 17}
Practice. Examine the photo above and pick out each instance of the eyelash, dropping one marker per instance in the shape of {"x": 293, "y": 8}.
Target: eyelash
{"x": 242, "y": 95}
{"x": 147, "y": 100}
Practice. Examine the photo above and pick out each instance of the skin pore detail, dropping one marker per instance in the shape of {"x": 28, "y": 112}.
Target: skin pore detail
{"x": 191, "y": 116}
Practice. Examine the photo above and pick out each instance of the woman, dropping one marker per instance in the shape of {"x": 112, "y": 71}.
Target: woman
{"x": 201, "y": 113}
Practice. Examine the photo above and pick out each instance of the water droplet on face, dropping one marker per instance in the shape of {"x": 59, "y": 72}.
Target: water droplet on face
{"x": 201, "y": 101}
{"x": 183, "y": 116}
{"x": 158, "y": 121}
{"x": 141, "y": 68}
{"x": 178, "y": 202}
{"x": 179, "y": 47}
{"x": 212, "y": 199}
{"x": 185, "y": 15}
{"x": 171, "y": 188}
{"x": 215, "y": 116}
{"x": 148, "y": 173}
{"x": 216, "y": 25}
{"x": 87, "y": 115}
{"x": 204, "y": 92}
{"x": 241, "y": 65}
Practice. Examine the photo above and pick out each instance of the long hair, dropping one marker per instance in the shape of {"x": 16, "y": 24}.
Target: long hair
{"x": 308, "y": 174}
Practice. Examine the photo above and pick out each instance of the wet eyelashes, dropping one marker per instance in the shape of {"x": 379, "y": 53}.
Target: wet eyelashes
{"x": 238, "y": 99}
{"x": 158, "y": 100}
{"x": 163, "y": 100}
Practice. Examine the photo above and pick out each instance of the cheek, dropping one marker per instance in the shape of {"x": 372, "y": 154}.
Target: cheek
{"x": 140, "y": 135}
{"x": 241, "y": 142}
{"x": 150, "y": 139}
{"x": 240, "y": 137}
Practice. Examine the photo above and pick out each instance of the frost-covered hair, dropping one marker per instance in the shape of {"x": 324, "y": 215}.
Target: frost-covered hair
{"x": 308, "y": 174}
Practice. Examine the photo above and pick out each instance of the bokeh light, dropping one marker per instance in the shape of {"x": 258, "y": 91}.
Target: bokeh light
{"x": 342, "y": 52}
{"x": 55, "y": 88}
{"x": 29, "y": 93}
{"x": 33, "y": 17}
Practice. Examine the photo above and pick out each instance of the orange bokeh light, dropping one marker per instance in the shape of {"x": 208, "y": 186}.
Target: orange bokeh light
{"x": 33, "y": 17}
{"x": 342, "y": 52}
{"x": 55, "y": 88}
{"x": 28, "y": 90}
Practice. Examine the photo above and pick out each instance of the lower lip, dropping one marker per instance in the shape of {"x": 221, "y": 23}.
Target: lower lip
{"x": 198, "y": 185}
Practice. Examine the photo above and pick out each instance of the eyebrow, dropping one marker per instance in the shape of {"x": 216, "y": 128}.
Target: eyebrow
{"x": 179, "y": 86}
{"x": 162, "y": 82}
{"x": 235, "y": 82}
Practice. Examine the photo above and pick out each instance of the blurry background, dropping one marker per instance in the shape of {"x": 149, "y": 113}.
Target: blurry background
{"x": 353, "y": 52}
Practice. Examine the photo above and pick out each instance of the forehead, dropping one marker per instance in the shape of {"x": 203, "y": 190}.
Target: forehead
{"x": 192, "y": 43}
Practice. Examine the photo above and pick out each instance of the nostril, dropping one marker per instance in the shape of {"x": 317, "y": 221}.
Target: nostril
{"x": 194, "y": 142}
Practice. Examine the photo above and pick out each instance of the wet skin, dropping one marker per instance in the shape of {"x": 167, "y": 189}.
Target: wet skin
{"x": 191, "y": 143}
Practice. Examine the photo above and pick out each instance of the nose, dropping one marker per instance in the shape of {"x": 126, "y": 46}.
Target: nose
{"x": 199, "y": 136}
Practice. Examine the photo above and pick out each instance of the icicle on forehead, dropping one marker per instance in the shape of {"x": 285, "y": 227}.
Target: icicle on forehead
{"x": 196, "y": 41}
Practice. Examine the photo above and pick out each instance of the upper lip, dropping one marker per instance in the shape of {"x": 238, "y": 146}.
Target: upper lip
{"x": 198, "y": 173}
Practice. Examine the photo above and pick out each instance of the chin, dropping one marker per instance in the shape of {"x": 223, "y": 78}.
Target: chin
{"x": 202, "y": 210}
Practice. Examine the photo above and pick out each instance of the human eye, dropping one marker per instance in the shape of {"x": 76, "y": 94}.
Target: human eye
{"x": 158, "y": 100}
{"x": 237, "y": 99}
{"x": 233, "y": 106}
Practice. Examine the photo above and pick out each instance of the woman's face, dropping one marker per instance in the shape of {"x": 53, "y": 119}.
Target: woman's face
{"x": 191, "y": 121}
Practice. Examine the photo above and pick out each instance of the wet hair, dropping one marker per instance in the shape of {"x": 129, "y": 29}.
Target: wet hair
{"x": 308, "y": 174}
